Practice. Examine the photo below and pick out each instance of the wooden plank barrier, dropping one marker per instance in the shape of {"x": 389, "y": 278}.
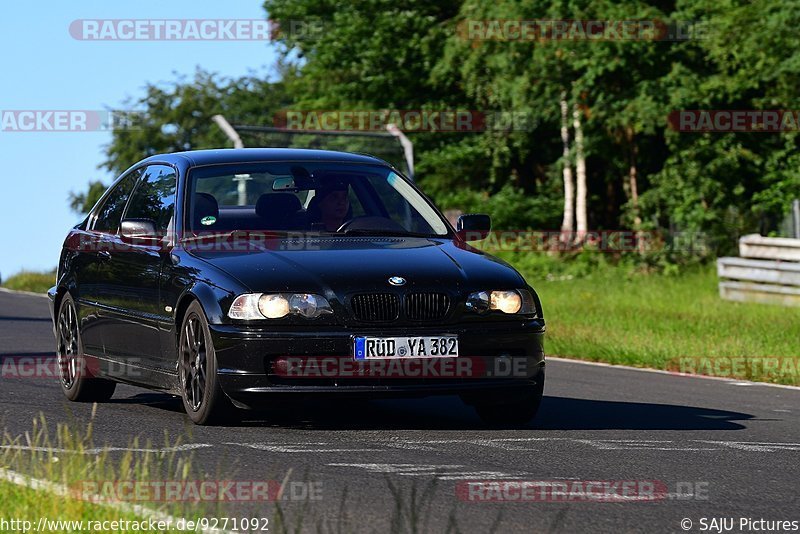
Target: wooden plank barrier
{"x": 767, "y": 271}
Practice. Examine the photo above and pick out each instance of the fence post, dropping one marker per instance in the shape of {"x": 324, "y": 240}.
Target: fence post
{"x": 796, "y": 218}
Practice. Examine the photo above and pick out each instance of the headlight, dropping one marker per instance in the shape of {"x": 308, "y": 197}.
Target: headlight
{"x": 514, "y": 301}
{"x": 276, "y": 305}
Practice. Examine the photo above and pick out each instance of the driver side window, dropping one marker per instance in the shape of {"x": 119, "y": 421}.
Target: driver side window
{"x": 154, "y": 199}
{"x": 108, "y": 216}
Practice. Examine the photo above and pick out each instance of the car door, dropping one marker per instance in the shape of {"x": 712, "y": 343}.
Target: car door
{"x": 132, "y": 275}
{"x": 96, "y": 243}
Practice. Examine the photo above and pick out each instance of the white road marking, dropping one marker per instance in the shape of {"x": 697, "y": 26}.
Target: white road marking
{"x": 638, "y": 445}
{"x": 599, "y": 444}
{"x": 302, "y": 447}
{"x": 63, "y": 491}
{"x": 479, "y": 475}
{"x": 432, "y": 445}
{"x": 427, "y": 445}
{"x": 756, "y": 446}
{"x": 505, "y": 444}
{"x": 409, "y": 446}
{"x": 441, "y": 472}
{"x": 399, "y": 468}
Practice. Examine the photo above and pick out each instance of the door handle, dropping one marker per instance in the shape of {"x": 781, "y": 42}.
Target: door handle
{"x": 104, "y": 255}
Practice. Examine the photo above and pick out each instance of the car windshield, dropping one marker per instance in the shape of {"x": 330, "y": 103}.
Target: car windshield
{"x": 330, "y": 198}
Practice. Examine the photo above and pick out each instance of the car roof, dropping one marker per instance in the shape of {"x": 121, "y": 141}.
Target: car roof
{"x": 251, "y": 155}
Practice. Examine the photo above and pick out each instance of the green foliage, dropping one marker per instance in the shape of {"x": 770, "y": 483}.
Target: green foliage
{"x": 378, "y": 54}
{"x": 82, "y": 203}
{"x": 35, "y": 282}
{"x": 510, "y": 208}
{"x": 178, "y": 116}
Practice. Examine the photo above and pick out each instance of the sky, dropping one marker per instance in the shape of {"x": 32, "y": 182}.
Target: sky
{"x": 42, "y": 67}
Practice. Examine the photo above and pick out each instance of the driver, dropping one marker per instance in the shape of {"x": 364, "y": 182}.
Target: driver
{"x": 330, "y": 206}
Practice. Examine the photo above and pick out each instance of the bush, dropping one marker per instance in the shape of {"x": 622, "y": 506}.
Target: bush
{"x": 35, "y": 282}
{"x": 511, "y": 208}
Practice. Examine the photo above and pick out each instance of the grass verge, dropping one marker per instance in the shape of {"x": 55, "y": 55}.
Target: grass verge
{"x": 675, "y": 323}
{"x": 54, "y": 468}
{"x": 34, "y": 282}
{"x": 34, "y": 511}
{"x": 57, "y": 468}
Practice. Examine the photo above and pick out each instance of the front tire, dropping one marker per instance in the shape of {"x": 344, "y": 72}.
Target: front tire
{"x": 518, "y": 412}
{"x": 76, "y": 381}
{"x": 203, "y": 398}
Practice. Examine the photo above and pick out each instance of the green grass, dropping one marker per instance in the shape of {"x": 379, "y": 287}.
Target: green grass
{"x": 68, "y": 458}
{"x": 26, "y": 504}
{"x": 617, "y": 316}
{"x": 31, "y": 281}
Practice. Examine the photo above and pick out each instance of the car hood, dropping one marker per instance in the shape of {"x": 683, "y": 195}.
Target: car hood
{"x": 342, "y": 265}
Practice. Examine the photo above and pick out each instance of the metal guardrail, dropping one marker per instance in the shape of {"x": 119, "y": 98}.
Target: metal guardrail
{"x": 768, "y": 271}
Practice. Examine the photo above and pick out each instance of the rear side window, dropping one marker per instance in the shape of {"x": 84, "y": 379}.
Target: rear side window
{"x": 154, "y": 199}
{"x": 108, "y": 217}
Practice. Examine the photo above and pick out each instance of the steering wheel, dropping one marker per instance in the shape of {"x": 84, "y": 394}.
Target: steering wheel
{"x": 370, "y": 222}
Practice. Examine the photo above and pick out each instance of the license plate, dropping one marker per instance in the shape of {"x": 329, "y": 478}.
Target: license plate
{"x": 381, "y": 348}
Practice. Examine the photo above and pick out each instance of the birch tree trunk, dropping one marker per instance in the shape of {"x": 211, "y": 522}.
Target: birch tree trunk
{"x": 581, "y": 219}
{"x": 568, "y": 223}
{"x": 633, "y": 188}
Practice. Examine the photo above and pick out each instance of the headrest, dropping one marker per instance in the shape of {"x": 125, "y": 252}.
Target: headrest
{"x": 205, "y": 205}
{"x": 277, "y": 205}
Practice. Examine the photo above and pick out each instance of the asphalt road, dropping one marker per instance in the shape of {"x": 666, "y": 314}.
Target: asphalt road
{"x": 734, "y": 445}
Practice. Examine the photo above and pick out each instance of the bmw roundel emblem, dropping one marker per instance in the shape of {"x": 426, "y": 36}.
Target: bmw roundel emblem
{"x": 397, "y": 281}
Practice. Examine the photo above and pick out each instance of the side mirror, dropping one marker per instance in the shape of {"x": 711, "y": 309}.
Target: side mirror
{"x": 474, "y": 227}
{"x": 138, "y": 230}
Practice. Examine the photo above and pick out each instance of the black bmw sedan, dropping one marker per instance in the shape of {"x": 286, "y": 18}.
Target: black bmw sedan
{"x": 233, "y": 278}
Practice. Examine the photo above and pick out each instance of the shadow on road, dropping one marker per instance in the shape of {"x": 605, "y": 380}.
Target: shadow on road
{"x": 26, "y": 319}
{"x": 449, "y": 413}
{"x": 564, "y": 413}
{"x": 162, "y": 401}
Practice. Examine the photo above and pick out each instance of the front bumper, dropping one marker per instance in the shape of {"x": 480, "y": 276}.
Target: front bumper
{"x": 51, "y": 301}
{"x": 494, "y": 359}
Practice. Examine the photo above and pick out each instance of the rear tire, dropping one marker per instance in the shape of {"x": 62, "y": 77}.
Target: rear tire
{"x": 515, "y": 413}
{"x": 203, "y": 398}
{"x": 77, "y": 382}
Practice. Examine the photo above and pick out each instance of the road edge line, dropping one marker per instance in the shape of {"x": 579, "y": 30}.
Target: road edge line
{"x": 670, "y": 373}
{"x": 61, "y": 490}
{"x": 18, "y": 292}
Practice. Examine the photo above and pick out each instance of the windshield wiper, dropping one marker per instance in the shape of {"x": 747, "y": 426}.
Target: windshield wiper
{"x": 235, "y": 233}
{"x": 383, "y": 232}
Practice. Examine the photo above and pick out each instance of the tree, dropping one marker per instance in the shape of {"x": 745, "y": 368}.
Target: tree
{"x": 82, "y": 203}
{"x": 567, "y": 224}
{"x": 177, "y": 116}
{"x": 631, "y": 169}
